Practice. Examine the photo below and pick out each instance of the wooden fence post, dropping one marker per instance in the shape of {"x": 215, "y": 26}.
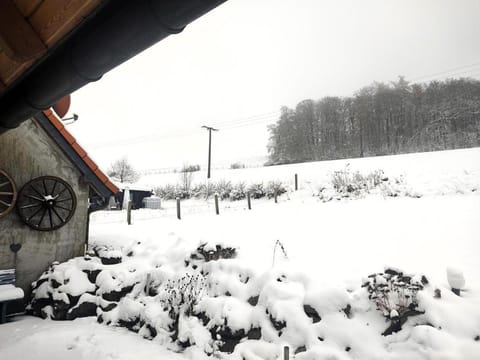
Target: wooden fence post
{"x": 296, "y": 182}
{"x": 217, "y": 210}
{"x": 249, "y": 202}
{"x": 286, "y": 353}
{"x": 147, "y": 284}
{"x": 179, "y": 217}
{"x": 129, "y": 213}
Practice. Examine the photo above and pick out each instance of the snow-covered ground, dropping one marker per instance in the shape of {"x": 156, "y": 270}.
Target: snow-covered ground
{"x": 331, "y": 248}
{"x": 31, "y": 338}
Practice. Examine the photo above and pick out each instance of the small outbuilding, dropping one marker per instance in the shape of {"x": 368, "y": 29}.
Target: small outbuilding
{"x": 136, "y": 195}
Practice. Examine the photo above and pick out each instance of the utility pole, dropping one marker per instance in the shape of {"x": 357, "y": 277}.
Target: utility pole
{"x": 210, "y": 129}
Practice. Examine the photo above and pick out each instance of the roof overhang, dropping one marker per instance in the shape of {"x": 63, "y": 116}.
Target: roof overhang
{"x": 91, "y": 173}
{"x": 108, "y": 34}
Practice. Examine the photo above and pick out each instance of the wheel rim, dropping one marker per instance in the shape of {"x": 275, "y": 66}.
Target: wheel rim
{"x": 46, "y": 203}
{"x": 8, "y": 193}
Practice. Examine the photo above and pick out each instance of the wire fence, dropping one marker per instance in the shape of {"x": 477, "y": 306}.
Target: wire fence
{"x": 169, "y": 209}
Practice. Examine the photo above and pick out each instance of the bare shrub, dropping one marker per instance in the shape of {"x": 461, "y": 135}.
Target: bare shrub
{"x": 186, "y": 178}
{"x": 181, "y": 295}
{"x": 395, "y": 295}
{"x": 275, "y": 187}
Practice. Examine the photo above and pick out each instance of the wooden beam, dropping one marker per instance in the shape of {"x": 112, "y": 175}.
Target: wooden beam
{"x": 53, "y": 19}
{"x": 17, "y": 38}
{"x": 11, "y": 70}
{"x": 27, "y": 7}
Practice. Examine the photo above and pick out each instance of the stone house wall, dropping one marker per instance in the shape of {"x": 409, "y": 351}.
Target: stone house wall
{"x": 26, "y": 153}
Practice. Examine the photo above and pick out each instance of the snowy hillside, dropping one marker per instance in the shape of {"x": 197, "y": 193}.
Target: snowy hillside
{"x": 355, "y": 278}
{"x": 434, "y": 170}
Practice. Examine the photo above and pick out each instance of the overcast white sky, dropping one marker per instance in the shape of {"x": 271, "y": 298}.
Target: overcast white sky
{"x": 237, "y": 66}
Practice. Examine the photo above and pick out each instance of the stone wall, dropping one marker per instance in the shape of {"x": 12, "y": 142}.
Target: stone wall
{"x": 26, "y": 153}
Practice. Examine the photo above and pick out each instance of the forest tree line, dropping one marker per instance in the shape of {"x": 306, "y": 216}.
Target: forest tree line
{"x": 380, "y": 119}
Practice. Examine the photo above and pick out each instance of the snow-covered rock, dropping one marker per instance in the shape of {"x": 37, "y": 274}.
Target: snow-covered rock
{"x": 455, "y": 278}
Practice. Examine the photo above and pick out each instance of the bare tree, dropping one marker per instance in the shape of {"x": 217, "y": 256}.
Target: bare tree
{"x": 123, "y": 171}
{"x": 186, "y": 177}
{"x": 380, "y": 119}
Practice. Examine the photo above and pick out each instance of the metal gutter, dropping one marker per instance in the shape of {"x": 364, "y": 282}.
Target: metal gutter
{"x": 119, "y": 31}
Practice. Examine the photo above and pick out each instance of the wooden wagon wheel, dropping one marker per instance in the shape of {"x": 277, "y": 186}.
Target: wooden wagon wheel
{"x": 8, "y": 193}
{"x": 46, "y": 203}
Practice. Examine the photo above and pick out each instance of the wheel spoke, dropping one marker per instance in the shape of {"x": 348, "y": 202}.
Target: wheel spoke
{"x": 8, "y": 193}
{"x": 41, "y": 218}
{"x": 38, "y": 192}
{"x": 44, "y": 186}
{"x": 50, "y": 217}
{"x": 4, "y": 203}
{"x": 30, "y": 206}
{"x": 34, "y": 198}
{"x": 63, "y": 200}
{"x": 63, "y": 208}
{"x": 60, "y": 193}
{"x": 56, "y": 213}
{"x": 54, "y": 186}
{"x": 34, "y": 214}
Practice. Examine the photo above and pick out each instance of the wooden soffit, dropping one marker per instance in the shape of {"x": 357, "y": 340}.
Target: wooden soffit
{"x": 30, "y": 28}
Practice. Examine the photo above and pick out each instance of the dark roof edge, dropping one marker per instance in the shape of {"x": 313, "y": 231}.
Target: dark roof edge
{"x": 119, "y": 31}
{"x": 88, "y": 175}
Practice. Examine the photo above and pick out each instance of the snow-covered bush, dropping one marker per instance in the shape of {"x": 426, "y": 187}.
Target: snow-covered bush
{"x": 208, "y": 253}
{"x": 202, "y": 191}
{"x": 171, "y": 192}
{"x": 275, "y": 187}
{"x": 190, "y": 168}
{"x": 223, "y": 188}
{"x": 256, "y": 190}
{"x": 237, "y": 165}
{"x": 395, "y": 295}
{"x": 239, "y": 191}
{"x": 182, "y": 294}
{"x": 353, "y": 184}
{"x": 166, "y": 192}
{"x": 66, "y": 291}
{"x": 348, "y": 182}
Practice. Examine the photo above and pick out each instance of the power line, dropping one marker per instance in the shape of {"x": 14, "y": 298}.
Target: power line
{"x": 240, "y": 122}
{"x": 445, "y": 71}
{"x": 144, "y": 138}
{"x": 248, "y": 118}
{"x": 465, "y": 73}
{"x": 264, "y": 121}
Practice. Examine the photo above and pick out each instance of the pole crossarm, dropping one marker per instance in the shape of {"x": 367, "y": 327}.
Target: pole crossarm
{"x": 209, "y": 128}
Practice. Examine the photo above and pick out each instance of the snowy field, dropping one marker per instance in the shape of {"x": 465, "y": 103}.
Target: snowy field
{"x": 329, "y": 250}
{"x": 438, "y": 172}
